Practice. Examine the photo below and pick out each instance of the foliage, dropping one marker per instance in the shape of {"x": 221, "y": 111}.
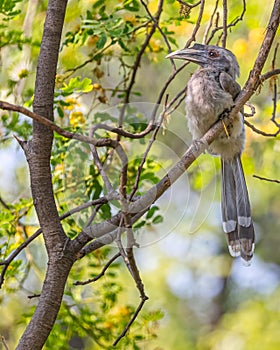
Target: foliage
{"x": 8, "y": 8}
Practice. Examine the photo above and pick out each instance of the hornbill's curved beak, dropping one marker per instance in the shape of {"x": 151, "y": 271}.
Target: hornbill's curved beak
{"x": 197, "y": 54}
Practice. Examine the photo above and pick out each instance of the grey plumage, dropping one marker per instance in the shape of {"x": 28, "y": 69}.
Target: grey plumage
{"x": 211, "y": 90}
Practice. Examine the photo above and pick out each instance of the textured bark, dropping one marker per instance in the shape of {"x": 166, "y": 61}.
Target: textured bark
{"x": 49, "y": 303}
{"x": 38, "y": 152}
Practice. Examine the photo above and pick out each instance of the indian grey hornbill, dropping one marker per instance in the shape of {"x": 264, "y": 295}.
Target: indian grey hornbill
{"x": 210, "y": 91}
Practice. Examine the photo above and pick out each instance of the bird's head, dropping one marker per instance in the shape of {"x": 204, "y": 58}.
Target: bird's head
{"x": 209, "y": 56}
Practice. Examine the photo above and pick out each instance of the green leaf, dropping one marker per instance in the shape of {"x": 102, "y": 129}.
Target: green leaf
{"x": 131, "y": 5}
{"x": 122, "y": 45}
{"x": 157, "y": 219}
{"x": 60, "y": 112}
{"x": 7, "y": 8}
{"x": 101, "y": 41}
{"x": 77, "y": 85}
{"x": 98, "y": 3}
{"x": 86, "y": 85}
{"x": 140, "y": 224}
{"x": 151, "y": 212}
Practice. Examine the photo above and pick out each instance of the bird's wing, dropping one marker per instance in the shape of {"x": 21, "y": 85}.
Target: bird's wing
{"x": 229, "y": 85}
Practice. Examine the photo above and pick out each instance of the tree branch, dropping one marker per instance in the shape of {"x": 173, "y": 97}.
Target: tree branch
{"x": 266, "y": 179}
{"x": 139, "y": 308}
{"x": 230, "y": 25}
{"x": 15, "y": 253}
{"x": 52, "y": 126}
{"x": 225, "y": 23}
{"x": 159, "y": 29}
{"x": 138, "y": 60}
{"x": 197, "y": 24}
{"x": 102, "y": 273}
{"x": 210, "y": 23}
{"x": 260, "y": 132}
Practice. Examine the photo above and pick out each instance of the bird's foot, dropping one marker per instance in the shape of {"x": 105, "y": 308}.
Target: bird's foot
{"x": 225, "y": 113}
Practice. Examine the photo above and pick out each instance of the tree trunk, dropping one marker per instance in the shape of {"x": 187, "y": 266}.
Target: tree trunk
{"x": 46, "y": 312}
{"x": 38, "y": 153}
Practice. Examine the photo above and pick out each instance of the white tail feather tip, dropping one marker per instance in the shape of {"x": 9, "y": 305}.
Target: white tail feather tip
{"x": 234, "y": 251}
{"x": 246, "y": 262}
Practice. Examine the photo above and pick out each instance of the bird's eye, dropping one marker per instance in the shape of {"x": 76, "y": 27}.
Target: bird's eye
{"x": 213, "y": 54}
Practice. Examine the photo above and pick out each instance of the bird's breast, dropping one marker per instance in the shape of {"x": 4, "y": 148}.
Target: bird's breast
{"x": 205, "y": 101}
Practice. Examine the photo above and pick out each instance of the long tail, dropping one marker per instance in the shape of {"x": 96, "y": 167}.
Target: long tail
{"x": 236, "y": 212}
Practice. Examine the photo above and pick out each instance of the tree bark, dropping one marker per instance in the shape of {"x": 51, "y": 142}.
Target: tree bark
{"x": 38, "y": 153}
{"x": 49, "y": 303}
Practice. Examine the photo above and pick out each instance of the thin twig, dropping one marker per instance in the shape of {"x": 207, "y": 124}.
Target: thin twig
{"x": 99, "y": 165}
{"x": 5, "y": 263}
{"x": 253, "y": 110}
{"x": 210, "y": 23}
{"x": 144, "y": 157}
{"x": 3, "y": 341}
{"x": 5, "y": 205}
{"x": 126, "y": 218}
{"x": 90, "y": 60}
{"x": 260, "y": 132}
{"x": 269, "y": 75}
{"x": 98, "y": 201}
{"x": 138, "y": 60}
{"x": 8, "y": 261}
{"x": 230, "y": 25}
{"x": 179, "y": 98}
{"x": 197, "y": 24}
{"x": 159, "y": 29}
{"x": 139, "y": 308}
{"x": 102, "y": 273}
{"x": 225, "y": 24}
{"x": 172, "y": 76}
{"x": 122, "y": 132}
{"x": 93, "y": 215}
{"x": 33, "y": 296}
{"x": 139, "y": 284}
{"x": 275, "y": 89}
{"x": 135, "y": 272}
{"x": 266, "y": 179}
{"x": 183, "y": 3}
